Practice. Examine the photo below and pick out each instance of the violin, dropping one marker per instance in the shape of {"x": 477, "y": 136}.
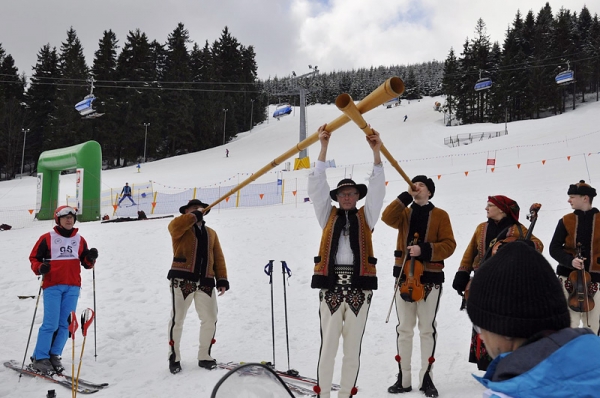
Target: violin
{"x": 580, "y": 299}
{"x": 497, "y": 244}
{"x": 532, "y": 217}
{"x": 412, "y": 290}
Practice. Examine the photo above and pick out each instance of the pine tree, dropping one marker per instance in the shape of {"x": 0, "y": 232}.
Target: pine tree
{"x": 42, "y": 101}
{"x": 72, "y": 88}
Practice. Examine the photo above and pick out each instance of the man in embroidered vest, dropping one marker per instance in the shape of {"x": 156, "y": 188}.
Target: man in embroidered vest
{"x": 59, "y": 255}
{"x": 579, "y": 229}
{"x": 198, "y": 267}
{"x": 435, "y": 244}
{"x": 345, "y": 267}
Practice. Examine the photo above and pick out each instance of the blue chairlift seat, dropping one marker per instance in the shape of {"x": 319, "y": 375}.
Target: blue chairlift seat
{"x": 84, "y": 107}
{"x": 565, "y": 77}
{"x": 282, "y": 110}
{"x": 483, "y": 84}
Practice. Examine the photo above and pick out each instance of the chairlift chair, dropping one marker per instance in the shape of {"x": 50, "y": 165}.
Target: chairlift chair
{"x": 282, "y": 110}
{"x": 84, "y": 107}
{"x": 483, "y": 83}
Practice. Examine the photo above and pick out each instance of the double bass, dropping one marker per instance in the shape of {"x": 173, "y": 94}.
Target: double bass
{"x": 412, "y": 290}
{"x": 580, "y": 299}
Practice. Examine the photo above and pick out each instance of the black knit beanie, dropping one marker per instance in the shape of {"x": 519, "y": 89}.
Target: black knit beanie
{"x": 516, "y": 294}
{"x": 428, "y": 183}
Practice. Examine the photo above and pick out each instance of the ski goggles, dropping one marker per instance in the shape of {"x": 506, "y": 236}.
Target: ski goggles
{"x": 66, "y": 211}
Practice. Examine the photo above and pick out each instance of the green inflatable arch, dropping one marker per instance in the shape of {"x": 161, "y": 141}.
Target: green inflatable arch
{"x": 86, "y": 156}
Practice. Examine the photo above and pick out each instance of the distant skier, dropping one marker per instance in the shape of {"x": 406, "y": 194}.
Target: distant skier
{"x": 126, "y": 193}
{"x": 405, "y": 117}
{"x": 226, "y": 152}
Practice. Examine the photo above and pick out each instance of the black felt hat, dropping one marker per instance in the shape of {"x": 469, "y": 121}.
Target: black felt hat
{"x": 581, "y": 188}
{"x": 517, "y": 294}
{"x": 194, "y": 202}
{"x": 346, "y": 182}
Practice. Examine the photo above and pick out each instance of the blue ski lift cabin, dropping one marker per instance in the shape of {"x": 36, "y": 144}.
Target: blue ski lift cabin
{"x": 85, "y": 107}
{"x": 282, "y": 110}
{"x": 483, "y": 84}
{"x": 565, "y": 77}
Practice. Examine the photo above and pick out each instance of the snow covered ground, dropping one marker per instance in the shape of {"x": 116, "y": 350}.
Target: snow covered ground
{"x": 535, "y": 162}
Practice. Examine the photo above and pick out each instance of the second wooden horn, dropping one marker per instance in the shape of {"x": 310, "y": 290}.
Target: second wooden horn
{"x": 345, "y": 104}
{"x": 391, "y": 88}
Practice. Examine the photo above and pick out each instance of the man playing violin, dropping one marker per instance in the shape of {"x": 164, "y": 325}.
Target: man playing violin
{"x": 435, "y": 244}
{"x": 580, "y": 227}
{"x": 345, "y": 269}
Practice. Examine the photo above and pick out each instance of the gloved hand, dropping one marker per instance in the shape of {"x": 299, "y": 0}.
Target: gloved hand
{"x": 199, "y": 215}
{"x": 461, "y": 279}
{"x": 92, "y": 254}
{"x": 44, "y": 268}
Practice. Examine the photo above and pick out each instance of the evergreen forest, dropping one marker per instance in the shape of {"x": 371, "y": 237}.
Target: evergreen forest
{"x": 158, "y": 100}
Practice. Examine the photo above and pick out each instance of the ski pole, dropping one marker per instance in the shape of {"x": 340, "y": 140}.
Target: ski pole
{"x": 73, "y": 325}
{"x": 285, "y": 270}
{"x": 31, "y": 328}
{"x": 87, "y": 317}
{"x": 269, "y": 271}
{"x": 94, "y": 291}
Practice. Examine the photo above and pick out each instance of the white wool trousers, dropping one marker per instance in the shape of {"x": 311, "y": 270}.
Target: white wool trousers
{"x": 206, "y": 308}
{"x": 342, "y": 322}
{"x": 590, "y": 319}
{"x": 424, "y": 312}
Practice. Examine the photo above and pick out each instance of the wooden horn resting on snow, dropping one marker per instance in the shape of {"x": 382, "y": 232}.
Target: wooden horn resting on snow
{"x": 345, "y": 104}
{"x": 391, "y": 88}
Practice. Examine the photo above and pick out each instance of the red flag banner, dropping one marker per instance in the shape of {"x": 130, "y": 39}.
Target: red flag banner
{"x": 491, "y": 162}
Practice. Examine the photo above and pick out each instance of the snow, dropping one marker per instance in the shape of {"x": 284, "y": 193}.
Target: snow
{"x": 131, "y": 289}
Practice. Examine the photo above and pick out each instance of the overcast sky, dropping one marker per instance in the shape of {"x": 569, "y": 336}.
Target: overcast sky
{"x": 286, "y": 34}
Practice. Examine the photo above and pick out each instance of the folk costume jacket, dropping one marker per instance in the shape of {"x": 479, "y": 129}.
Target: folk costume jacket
{"x": 337, "y": 247}
{"x": 582, "y": 227}
{"x": 197, "y": 254}
{"x": 479, "y": 244}
{"x": 436, "y": 245}
{"x": 66, "y": 252}
{"x": 561, "y": 364}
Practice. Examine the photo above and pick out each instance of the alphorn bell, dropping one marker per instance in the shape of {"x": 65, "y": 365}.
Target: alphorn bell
{"x": 391, "y": 88}
{"x": 345, "y": 104}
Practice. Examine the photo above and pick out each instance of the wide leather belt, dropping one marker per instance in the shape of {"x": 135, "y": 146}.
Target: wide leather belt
{"x": 343, "y": 274}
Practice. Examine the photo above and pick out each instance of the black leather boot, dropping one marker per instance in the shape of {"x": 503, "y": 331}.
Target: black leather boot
{"x": 397, "y": 387}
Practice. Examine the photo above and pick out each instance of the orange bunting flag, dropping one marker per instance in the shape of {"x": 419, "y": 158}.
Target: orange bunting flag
{"x": 386, "y": 183}
{"x": 466, "y": 173}
{"x": 543, "y": 162}
{"x": 115, "y": 207}
{"x": 493, "y": 168}
{"x": 439, "y": 176}
{"x": 518, "y": 165}
{"x": 30, "y": 211}
{"x": 568, "y": 158}
{"x": 227, "y": 199}
{"x": 294, "y": 192}
{"x": 261, "y": 195}
{"x": 153, "y": 205}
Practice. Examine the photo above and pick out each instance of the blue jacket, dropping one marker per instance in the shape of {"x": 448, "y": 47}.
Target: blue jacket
{"x": 563, "y": 364}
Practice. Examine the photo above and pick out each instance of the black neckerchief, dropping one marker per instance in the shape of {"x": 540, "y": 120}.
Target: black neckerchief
{"x": 201, "y": 250}
{"x": 419, "y": 219}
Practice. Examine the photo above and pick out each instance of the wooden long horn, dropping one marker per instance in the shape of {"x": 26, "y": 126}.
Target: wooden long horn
{"x": 345, "y": 104}
{"x": 391, "y": 88}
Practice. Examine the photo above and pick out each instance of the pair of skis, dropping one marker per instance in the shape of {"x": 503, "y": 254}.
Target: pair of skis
{"x": 83, "y": 386}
